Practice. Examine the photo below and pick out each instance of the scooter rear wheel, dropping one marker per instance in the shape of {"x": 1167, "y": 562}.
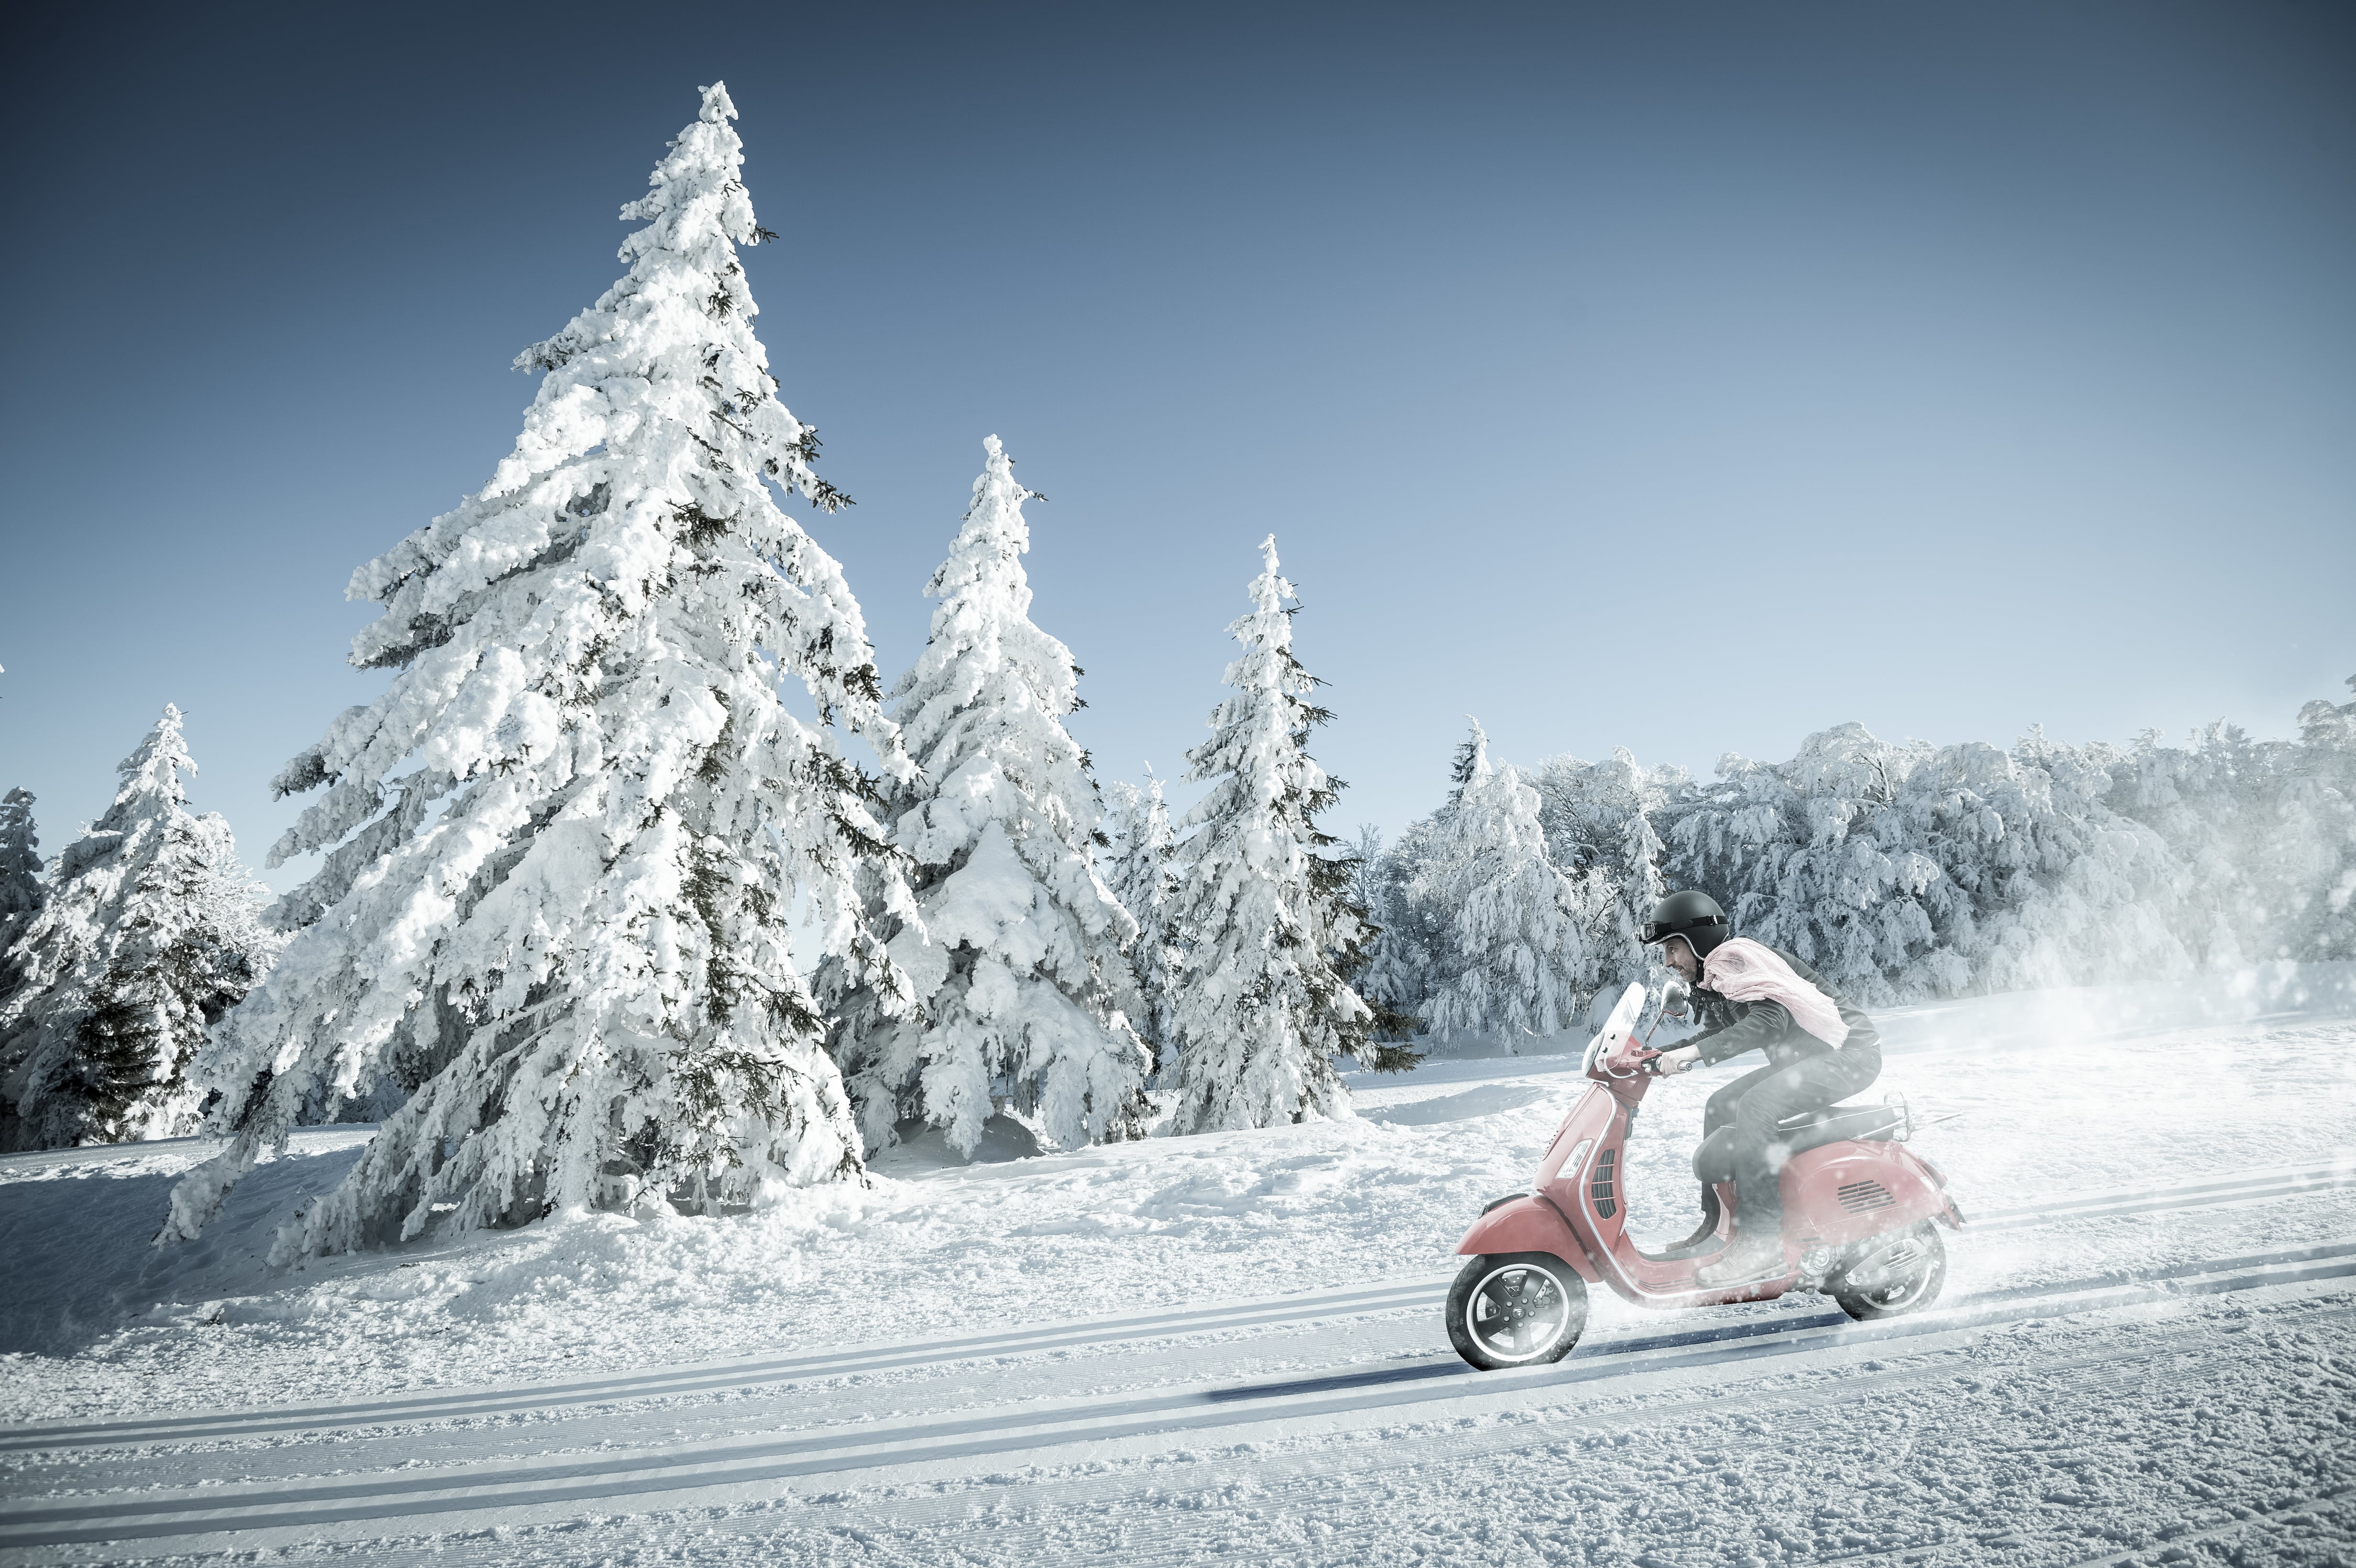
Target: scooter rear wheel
{"x": 1516, "y": 1309}
{"x": 1893, "y": 1274}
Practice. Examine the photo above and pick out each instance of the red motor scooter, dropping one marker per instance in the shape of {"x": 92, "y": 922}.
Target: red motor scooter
{"x": 1861, "y": 1214}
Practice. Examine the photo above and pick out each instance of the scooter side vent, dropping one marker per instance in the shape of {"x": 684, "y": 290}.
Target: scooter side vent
{"x": 1864, "y": 1197}
{"x": 1599, "y": 1191}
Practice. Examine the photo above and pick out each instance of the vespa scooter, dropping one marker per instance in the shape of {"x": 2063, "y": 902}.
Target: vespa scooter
{"x": 1862, "y": 1217}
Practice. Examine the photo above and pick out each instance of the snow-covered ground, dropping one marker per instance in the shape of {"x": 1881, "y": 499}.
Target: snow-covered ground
{"x": 1229, "y": 1349}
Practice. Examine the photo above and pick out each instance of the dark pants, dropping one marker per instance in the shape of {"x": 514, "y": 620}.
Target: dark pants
{"x": 1755, "y": 1102}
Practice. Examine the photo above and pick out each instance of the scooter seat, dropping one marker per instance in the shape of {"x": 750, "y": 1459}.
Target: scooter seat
{"x": 1714, "y": 1161}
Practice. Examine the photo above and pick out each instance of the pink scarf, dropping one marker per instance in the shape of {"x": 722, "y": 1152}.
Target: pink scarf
{"x": 1742, "y": 970}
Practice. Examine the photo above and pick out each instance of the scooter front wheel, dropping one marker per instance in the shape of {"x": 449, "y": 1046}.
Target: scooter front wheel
{"x": 1516, "y": 1309}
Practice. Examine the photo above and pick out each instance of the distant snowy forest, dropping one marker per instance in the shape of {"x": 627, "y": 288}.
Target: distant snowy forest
{"x": 551, "y": 946}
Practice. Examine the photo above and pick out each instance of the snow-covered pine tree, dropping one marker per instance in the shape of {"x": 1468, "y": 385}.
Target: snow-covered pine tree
{"x": 1391, "y": 1031}
{"x": 2062, "y": 889}
{"x": 1016, "y": 958}
{"x": 2209, "y": 802}
{"x": 1519, "y": 960}
{"x": 1265, "y": 926}
{"x": 1600, "y": 819}
{"x": 2266, "y": 831}
{"x": 2324, "y": 767}
{"x": 147, "y": 936}
{"x": 20, "y": 857}
{"x": 1402, "y": 961}
{"x": 1140, "y": 870}
{"x": 560, "y": 849}
{"x": 20, "y": 886}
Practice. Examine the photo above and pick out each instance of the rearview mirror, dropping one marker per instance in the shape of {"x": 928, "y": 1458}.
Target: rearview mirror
{"x": 1675, "y": 1000}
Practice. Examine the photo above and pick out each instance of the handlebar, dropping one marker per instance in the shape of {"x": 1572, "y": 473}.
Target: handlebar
{"x": 1629, "y": 1061}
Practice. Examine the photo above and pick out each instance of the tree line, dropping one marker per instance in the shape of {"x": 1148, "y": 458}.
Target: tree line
{"x": 1902, "y": 872}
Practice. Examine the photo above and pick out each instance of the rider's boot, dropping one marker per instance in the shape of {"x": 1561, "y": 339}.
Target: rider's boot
{"x": 1754, "y": 1256}
{"x": 1708, "y": 1222}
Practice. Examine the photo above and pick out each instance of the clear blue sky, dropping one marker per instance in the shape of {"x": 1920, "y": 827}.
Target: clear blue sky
{"x": 1684, "y": 378}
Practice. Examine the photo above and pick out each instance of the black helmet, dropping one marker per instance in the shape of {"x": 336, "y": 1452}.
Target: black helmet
{"x": 1694, "y": 916}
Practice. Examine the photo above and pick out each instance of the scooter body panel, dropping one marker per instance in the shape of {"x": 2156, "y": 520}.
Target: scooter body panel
{"x": 1528, "y": 1224}
{"x": 1844, "y": 1192}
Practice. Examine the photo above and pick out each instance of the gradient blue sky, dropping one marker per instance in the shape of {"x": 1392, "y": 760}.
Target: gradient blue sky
{"x": 1688, "y": 377}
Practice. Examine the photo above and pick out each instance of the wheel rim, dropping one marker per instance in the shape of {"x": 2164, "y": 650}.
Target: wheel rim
{"x": 1516, "y": 1313}
{"x": 1894, "y": 1276}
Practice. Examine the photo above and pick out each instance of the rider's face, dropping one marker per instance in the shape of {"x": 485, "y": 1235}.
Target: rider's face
{"x": 1680, "y": 956}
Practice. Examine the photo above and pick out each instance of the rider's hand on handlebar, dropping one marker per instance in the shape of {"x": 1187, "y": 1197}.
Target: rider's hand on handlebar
{"x": 1669, "y": 1063}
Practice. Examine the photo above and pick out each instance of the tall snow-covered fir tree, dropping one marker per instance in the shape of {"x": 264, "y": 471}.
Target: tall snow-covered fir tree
{"x": 559, "y": 851}
{"x": 1015, "y": 955}
{"x": 20, "y": 883}
{"x": 1519, "y": 958}
{"x": 20, "y": 857}
{"x": 1265, "y": 926}
{"x": 1403, "y": 959}
{"x": 1140, "y": 868}
{"x": 1374, "y": 978}
{"x": 147, "y": 936}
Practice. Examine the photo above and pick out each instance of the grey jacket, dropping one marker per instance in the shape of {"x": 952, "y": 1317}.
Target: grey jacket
{"x": 1730, "y": 1028}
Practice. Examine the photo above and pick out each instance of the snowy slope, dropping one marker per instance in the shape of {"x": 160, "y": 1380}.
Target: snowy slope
{"x": 1227, "y": 1348}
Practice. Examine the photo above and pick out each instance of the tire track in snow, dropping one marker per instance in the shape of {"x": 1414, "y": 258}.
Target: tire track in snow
{"x": 212, "y": 1509}
{"x": 2266, "y": 1185}
{"x": 731, "y": 1376}
{"x": 1365, "y": 1485}
{"x": 727, "y": 1375}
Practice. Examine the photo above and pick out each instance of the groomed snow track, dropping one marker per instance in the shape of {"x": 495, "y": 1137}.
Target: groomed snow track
{"x": 1427, "y": 1294}
{"x": 659, "y": 1475}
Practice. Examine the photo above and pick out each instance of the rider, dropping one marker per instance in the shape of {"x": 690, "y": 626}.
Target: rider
{"x": 1819, "y": 1049}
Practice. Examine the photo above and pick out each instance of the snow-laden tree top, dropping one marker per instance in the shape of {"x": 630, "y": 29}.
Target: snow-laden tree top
{"x": 988, "y": 696}
{"x": 579, "y": 966}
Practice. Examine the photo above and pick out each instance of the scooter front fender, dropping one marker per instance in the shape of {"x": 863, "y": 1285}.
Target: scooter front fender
{"x": 1527, "y": 1224}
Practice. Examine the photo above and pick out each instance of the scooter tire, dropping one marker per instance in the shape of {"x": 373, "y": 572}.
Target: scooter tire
{"x": 1909, "y": 1289}
{"x": 1493, "y": 1297}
